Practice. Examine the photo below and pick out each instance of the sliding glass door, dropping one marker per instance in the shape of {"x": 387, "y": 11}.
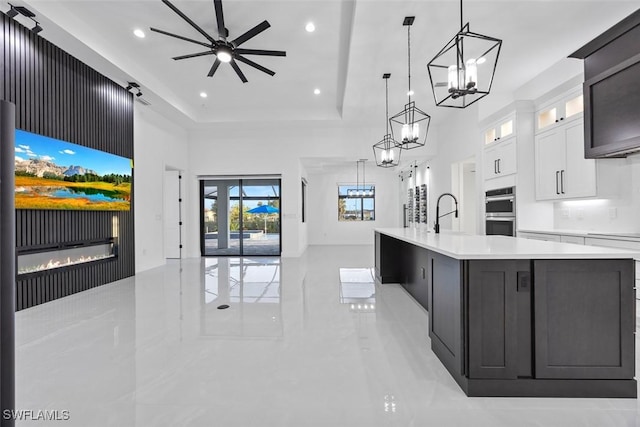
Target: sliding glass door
{"x": 240, "y": 217}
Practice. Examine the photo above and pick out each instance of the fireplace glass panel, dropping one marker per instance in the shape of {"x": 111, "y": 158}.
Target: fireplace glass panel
{"x": 51, "y": 259}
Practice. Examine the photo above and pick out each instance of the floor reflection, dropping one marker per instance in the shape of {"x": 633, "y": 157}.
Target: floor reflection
{"x": 251, "y": 289}
{"x": 358, "y": 288}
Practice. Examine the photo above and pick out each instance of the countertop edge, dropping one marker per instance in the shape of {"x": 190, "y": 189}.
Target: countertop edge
{"x": 594, "y": 252}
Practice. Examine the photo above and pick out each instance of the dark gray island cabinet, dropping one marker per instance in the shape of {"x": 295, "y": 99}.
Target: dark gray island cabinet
{"x": 518, "y": 317}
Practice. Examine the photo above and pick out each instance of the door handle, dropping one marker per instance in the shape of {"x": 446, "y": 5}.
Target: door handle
{"x": 562, "y": 181}
{"x": 557, "y": 173}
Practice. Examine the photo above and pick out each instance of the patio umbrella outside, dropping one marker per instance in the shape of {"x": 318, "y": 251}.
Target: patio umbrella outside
{"x": 264, "y": 209}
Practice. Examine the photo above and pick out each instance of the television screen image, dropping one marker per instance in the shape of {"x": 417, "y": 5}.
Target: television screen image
{"x": 54, "y": 174}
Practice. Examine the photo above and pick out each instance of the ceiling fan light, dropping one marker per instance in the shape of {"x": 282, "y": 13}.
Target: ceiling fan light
{"x": 224, "y": 54}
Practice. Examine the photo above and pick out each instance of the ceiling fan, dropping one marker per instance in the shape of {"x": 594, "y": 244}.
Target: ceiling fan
{"x": 223, "y": 49}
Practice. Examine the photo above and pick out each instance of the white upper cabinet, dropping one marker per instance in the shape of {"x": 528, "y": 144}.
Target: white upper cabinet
{"x": 561, "y": 170}
{"x": 500, "y": 130}
{"x": 560, "y": 110}
{"x": 500, "y": 157}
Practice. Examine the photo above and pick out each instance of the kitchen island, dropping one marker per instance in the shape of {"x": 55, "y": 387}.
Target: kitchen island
{"x": 520, "y": 317}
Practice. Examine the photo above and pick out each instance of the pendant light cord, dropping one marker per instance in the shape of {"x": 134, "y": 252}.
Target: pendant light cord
{"x": 461, "y": 22}
{"x": 409, "y": 59}
{"x": 386, "y": 84}
{"x": 364, "y": 179}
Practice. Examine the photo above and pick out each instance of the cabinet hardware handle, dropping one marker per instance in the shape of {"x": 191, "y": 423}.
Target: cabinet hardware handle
{"x": 556, "y": 120}
{"x": 561, "y": 118}
{"x": 562, "y": 181}
{"x": 495, "y": 167}
{"x": 557, "y": 173}
{"x": 499, "y": 165}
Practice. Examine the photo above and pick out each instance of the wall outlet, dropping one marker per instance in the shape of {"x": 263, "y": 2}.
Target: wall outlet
{"x": 613, "y": 213}
{"x": 566, "y": 213}
{"x": 580, "y": 213}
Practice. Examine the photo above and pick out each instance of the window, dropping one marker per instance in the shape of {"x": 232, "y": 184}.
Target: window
{"x": 360, "y": 206}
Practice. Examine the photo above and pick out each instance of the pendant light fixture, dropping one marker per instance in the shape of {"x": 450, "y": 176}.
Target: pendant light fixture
{"x": 358, "y": 191}
{"x": 410, "y": 126}
{"x": 462, "y": 72}
{"x": 387, "y": 151}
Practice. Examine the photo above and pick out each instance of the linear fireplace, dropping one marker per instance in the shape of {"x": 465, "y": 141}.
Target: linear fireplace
{"x": 40, "y": 260}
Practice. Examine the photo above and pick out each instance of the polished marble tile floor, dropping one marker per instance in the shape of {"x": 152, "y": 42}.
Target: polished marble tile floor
{"x": 310, "y": 341}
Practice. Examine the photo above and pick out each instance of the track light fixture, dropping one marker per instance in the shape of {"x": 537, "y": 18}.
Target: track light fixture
{"x": 21, "y": 10}
{"x": 12, "y": 13}
{"x": 135, "y": 86}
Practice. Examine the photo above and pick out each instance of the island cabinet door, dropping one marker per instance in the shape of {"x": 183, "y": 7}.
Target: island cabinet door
{"x": 499, "y": 301}
{"x": 415, "y": 268}
{"x": 388, "y": 259}
{"x": 445, "y": 311}
{"x": 584, "y": 319}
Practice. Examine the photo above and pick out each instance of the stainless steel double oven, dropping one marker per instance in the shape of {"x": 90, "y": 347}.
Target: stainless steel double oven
{"x": 500, "y": 208}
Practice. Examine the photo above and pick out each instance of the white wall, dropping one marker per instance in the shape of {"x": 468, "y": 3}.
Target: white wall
{"x": 458, "y": 140}
{"x": 275, "y": 148}
{"x": 158, "y": 144}
{"x": 324, "y": 227}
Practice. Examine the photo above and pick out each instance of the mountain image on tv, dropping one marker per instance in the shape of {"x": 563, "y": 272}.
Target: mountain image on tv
{"x": 55, "y": 174}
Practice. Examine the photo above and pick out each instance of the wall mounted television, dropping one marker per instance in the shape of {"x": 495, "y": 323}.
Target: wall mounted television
{"x": 58, "y": 175}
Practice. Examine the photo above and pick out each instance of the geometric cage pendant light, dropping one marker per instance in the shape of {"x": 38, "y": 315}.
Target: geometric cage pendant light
{"x": 387, "y": 151}
{"x": 462, "y": 72}
{"x": 410, "y": 126}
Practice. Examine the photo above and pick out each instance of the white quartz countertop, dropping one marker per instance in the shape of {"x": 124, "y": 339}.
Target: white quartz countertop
{"x": 632, "y": 236}
{"x": 469, "y": 246}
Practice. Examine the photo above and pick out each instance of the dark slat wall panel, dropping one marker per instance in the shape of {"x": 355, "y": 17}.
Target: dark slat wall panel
{"x": 58, "y": 96}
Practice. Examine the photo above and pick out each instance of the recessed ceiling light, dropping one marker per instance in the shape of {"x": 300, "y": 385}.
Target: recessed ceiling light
{"x": 310, "y": 27}
{"x": 139, "y": 33}
{"x": 316, "y": 91}
{"x": 481, "y": 60}
{"x": 411, "y": 93}
{"x": 203, "y": 94}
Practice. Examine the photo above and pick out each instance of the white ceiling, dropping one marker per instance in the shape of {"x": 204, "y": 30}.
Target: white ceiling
{"x": 354, "y": 44}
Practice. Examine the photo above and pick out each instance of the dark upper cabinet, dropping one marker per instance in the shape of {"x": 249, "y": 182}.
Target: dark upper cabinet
{"x": 612, "y": 90}
{"x": 499, "y": 301}
{"x": 584, "y": 319}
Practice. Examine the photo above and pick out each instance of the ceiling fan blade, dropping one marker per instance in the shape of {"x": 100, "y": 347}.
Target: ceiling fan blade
{"x": 189, "y": 21}
{"x": 254, "y": 65}
{"x": 260, "y": 52}
{"x": 251, "y": 33}
{"x": 238, "y": 71}
{"x": 181, "y": 37}
{"x": 222, "y": 31}
{"x": 214, "y": 68}
{"x": 193, "y": 55}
